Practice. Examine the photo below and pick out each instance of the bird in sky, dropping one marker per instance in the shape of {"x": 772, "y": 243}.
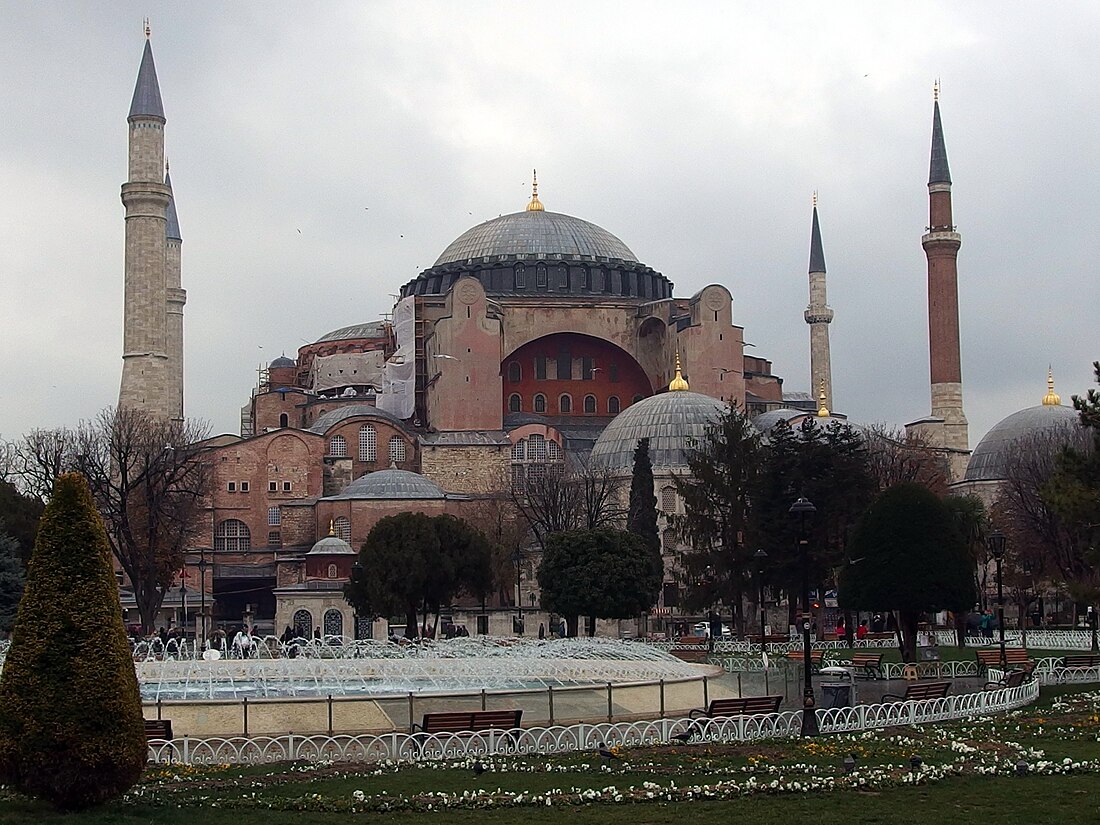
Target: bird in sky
{"x": 299, "y": 231}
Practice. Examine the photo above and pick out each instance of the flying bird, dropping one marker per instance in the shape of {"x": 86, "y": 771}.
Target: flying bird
{"x": 299, "y": 231}
{"x": 448, "y": 357}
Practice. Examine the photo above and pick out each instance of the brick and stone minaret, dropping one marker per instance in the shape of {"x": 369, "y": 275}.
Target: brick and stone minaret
{"x": 146, "y": 379}
{"x": 818, "y": 315}
{"x": 941, "y": 246}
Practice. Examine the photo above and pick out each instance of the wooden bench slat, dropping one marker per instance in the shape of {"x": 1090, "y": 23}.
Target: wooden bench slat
{"x": 921, "y": 690}
{"x": 740, "y": 706}
{"x": 159, "y": 729}
{"x": 1081, "y": 660}
{"x": 470, "y": 721}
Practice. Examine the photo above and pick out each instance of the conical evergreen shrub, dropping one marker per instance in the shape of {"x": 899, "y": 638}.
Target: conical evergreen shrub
{"x": 71, "y": 729}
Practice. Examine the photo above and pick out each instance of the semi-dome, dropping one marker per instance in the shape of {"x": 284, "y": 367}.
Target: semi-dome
{"x": 990, "y": 459}
{"x": 370, "y": 329}
{"x": 536, "y": 233}
{"x": 672, "y": 421}
{"x": 392, "y": 484}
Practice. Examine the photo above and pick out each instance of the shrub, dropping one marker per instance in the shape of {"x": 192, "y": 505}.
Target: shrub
{"x": 71, "y": 729}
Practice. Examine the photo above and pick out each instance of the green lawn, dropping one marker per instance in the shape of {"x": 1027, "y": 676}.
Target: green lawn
{"x": 967, "y": 773}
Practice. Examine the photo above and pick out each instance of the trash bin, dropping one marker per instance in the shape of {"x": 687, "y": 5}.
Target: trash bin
{"x": 838, "y": 688}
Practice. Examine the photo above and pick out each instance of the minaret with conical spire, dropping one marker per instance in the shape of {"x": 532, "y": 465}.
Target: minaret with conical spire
{"x": 941, "y": 247}
{"x": 176, "y": 299}
{"x": 818, "y": 315}
{"x": 145, "y": 370}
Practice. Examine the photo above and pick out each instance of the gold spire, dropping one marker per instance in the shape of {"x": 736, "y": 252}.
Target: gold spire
{"x": 815, "y": 199}
{"x": 332, "y": 527}
{"x": 678, "y": 383}
{"x": 1051, "y": 399}
{"x": 148, "y": 30}
{"x": 936, "y": 90}
{"x": 535, "y": 205}
{"x": 822, "y": 410}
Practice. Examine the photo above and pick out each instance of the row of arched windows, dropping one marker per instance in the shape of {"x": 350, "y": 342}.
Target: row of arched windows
{"x": 368, "y": 445}
{"x": 590, "y": 406}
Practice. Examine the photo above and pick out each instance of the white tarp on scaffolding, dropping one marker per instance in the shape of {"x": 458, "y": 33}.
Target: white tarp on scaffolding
{"x": 351, "y": 369}
{"x": 398, "y": 394}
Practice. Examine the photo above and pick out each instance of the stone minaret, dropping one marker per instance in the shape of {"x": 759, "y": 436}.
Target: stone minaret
{"x": 145, "y": 357}
{"x": 818, "y": 315}
{"x": 176, "y": 298}
{"x": 941, "y": 246}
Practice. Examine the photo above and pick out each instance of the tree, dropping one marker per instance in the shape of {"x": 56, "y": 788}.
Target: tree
{"x": 722, "y": 473}
{"x": 558, "y": 496}
{"x": 499, "y": 519}
{"x": 19, "y": 514}
{"x": 899, "y": 457}
{"x": 642, "y": 513}
{"x": 71, "y": 728}
{"x": 908, "y": 556}
{"x": 1073, "y": 490}
{"x": 971, "y": 521}
{"x": 12, "y": 576}
{"x": 604, "y": 573}
{"x": 149, "y": 481}
{"x": 39, "y": 457}
{"x": 412, "y": 563}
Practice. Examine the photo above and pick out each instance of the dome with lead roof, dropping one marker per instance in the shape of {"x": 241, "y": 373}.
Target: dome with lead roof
{"x": 392, "y": 484}
{"x": 673, "y": 422}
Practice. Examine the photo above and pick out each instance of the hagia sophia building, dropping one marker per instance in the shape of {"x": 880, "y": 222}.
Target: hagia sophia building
{"x": 534, "y": 338}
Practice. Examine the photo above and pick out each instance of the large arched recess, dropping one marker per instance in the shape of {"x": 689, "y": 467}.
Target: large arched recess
{"x": 598, "y": 371}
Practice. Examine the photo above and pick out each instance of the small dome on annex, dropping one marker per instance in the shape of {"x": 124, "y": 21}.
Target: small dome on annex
{"x": 990, "y": 459}
{"x": 672, "y": 421}
{"x": 391, "y": 484}
{"x": 327, "y": 420}
{"x": 332, "y": 545}
{"x": 281, "y": 361}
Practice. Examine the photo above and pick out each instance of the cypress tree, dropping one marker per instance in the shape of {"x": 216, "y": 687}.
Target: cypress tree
{"x": 71, "y": 729}
{"x": 641, "y": 517}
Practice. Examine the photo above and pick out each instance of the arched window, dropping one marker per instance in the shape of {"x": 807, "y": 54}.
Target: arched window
{"x": 668, "y": 499}
{"x": 284, "y": 420}
{"x": 515, "y": 372}
{"x": 334, "y": 622}
{"x": 518, "y": 450}
{"x": 540, "y": 403}
{"x": 668, "y": 540}
{"x": 368, "y": 443}
{"x": 536, "y": 448}
{"x": 553, "y": 451}
{"x": 514, "y": 403}
{"x": 613, "y": 405}
{"x": 338, "y": 446}
{"x": 520, "y": 277}
{"x": 342, "y": 526}
{"x": 274, "y": 516}
{"x": 232, "y": 536}
{"x": 332, "y": 571}
{"x": 590, "y": 404}
{"x": 303, "y": 624}
{"x": 565, "y": 404}
{"x": 397, "y": 449}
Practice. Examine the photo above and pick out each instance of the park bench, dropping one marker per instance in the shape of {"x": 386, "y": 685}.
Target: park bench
{"x": 739, "y": 706}
{"x": 816, "y": 658}
{"x": 869, "y": 663}
{"x": 692, "y": 640}
{"x": 880, "y": 635}
{"x": 1014, "y": 678}
{"x": 920, "y": 690}
{"x": 1015, "y": 657}
{"x": 469, "y": 721}
{"x": 1081, "y": 660}
{"x": 158, "y": 729}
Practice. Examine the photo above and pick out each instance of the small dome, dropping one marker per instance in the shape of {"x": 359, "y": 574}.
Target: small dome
{"x": 392, "y": 484}
{"x": 280, "y": 362}
{"x": 326, "y": 421}
{"x": 371, "y": 329}
{"x": 671, "y": 421}
{"x": 537, "y": 233}
{"x": 766, "y": 421}
{"x": 990, "y": 459}
{"x": 332, "y": 546}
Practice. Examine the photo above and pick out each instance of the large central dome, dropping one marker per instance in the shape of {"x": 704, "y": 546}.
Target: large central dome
{"x": 538, "y": 233}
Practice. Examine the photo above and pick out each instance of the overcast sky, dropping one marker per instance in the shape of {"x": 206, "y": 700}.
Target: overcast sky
{"x": 324, "y": 153}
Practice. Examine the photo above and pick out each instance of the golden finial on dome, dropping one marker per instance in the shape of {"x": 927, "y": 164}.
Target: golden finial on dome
{"x": 1051, "y": 399}
{"x": 822, "y": 410}
{"x": 332, "y": 527}
{"x": 678, "y": 383}
{"x": 535, "y": 205}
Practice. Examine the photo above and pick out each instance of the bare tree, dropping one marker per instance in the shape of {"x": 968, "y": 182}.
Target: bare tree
{"x": 897, "y": 457}
{"x": 555, "y": 497}
{"x": 149, "y": 481}
{"x": 39, "y": 457}
{"x": 1036, "y": 535}
{"x": 498, "y": 518}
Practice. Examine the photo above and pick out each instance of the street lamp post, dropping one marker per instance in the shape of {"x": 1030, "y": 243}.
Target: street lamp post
{"x": 183, "y": 606}
{"x": 761, "y": 557}
{"x": 202, "y": 596}
{"x": 804, "y": 508}
{"x": 517, "y": 557}
{"x": 997, "y": 548}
